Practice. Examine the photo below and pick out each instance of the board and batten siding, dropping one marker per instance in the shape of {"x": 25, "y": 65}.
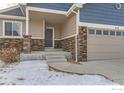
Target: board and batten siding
{"x": 69, "y": 27}
{"x": 102, "y": 13}
{"x": 36, "y": 28}
{"x": 54, "y": 6}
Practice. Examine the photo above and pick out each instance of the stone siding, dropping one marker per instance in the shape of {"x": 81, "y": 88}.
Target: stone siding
{"x": 69, "y": 45}
{"x": 82, "y": 44}
{"x": 37, "y": 45}
{"x": 12, "y": 42}
{"x": 57, "y": 44}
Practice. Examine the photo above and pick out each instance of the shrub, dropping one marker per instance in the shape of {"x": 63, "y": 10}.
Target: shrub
{"x": 9, "y": 55}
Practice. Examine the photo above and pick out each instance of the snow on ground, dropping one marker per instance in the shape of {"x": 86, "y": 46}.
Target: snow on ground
{"x": 37, "y": 73}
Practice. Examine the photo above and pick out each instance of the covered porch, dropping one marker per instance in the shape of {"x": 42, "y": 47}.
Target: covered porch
{"x": 52, "y": 30}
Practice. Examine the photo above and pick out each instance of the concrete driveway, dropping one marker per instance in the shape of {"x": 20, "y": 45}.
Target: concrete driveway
{"x": 112, "y": 69}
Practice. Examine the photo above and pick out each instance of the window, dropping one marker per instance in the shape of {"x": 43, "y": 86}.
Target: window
{"x": 122, "y": 33}
{"x": 91, "y": 31}
{"x": 118, "y": 33}
{"x": 98, "y": 32}
{"x": 112, "y": 33}
{"x": 12, "y": 28}
{"x": 105, "y": 33}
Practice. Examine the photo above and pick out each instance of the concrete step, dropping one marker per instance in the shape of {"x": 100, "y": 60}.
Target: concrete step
{"x": 55, "y": 57}
{"x": 52, "y": 49}
{"x": 56, "y": 61}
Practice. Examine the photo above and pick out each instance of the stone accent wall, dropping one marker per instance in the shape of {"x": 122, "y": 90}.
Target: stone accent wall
{"x": 37, "y": 45}
{"x": 11, "y": 42}
{"x": 82, "y": 44}
{"x": 27, "y": 44}
{"x": 57, "y": 44}
{"x": 69, "y": 45}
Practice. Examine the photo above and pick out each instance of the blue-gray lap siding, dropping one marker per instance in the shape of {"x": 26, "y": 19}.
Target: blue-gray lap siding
{"x": 14, "y": 12}
{"x": 102, "y": 13}
{"x": 54, "y": 6}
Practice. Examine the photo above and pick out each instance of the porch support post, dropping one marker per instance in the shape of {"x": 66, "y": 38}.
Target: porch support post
{"x": 76, "y": 37}
{"x": 27, "y": 21}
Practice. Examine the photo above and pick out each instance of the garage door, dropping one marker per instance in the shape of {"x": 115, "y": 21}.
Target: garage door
{"x": 105, "y": 44}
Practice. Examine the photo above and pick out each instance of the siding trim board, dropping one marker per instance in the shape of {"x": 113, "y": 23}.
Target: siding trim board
{"x": 46, "y": 10}
{"x": 102, "y": 26}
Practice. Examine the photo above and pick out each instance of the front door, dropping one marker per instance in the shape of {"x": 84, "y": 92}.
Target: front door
{"x": 49, "y": 37}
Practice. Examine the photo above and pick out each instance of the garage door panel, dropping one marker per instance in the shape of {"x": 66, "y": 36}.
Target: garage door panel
{"x": 105, "y": 55}
{"x": 105, "y": 47}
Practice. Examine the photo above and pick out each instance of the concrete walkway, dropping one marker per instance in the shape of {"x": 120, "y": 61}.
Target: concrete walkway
{"x": 112, "y": 69}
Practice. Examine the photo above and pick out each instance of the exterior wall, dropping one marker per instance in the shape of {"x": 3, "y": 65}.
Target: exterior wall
{"x": 37, "y": 45}
{"x": 69, "y": 45}
{"x": 102, "y": 13}
{"x": 82, "y": 44}
{"x": 9, "y": 42}
{"x": 69, "y": 27}
{"x": 57, "y": 44}
{"x": 55, "y": 6}
{"x": 36, "y": 28}
{"x": 57, "y": 30}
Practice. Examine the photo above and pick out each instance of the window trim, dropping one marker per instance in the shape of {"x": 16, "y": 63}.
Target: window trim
{"x": 19, "y": 22}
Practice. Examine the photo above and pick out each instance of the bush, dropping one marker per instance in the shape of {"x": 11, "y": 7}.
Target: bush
{"x": 9, "y": 55}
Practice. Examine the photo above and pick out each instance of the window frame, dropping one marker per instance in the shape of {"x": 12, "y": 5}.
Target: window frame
{"x": 11, "y": 21}
{"x": 99, "y": 30}
{"x": 119, "y": 34}
{"x": 93, "y": 31}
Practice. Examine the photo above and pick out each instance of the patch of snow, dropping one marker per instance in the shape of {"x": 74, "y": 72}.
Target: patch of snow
{"x": 36, "y": 73}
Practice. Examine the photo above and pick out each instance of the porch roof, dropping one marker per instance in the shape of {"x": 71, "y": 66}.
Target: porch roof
{"x": 48, "y": 17}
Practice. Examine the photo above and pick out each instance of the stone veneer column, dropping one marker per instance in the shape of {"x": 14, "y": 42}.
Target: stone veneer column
{"x": 27, "y": 44}
{"x": 82, "y": 44}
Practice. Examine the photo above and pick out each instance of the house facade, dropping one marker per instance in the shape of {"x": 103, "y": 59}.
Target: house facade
{"x": 91, "y": 31}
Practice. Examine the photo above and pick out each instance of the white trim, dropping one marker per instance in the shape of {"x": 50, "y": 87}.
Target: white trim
{"x": 12, "y": 17}
{"x": 68, "y": 36}
{"x": 9, "y": 8}
{"x": 46, "y": 10}
{"x": 76, "y": 37}
{"x": 27, "y": 21}
{"x": 53, "y": 29}
{"x": 37, "y": 38}
{"x": 21, "y": 9}
{"x": 11, "y": 36}
{"x": 57, "y": 39}
{"x": 12, "y": 28}
{"x": 102, "y": 26}
{"x": 76, "y": 5}
{"x": 43, "y": 29}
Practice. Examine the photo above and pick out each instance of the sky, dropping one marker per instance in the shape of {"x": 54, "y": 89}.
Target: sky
{"x": 6, "y": 5}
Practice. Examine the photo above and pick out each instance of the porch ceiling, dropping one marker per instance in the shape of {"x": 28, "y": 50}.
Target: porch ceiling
{"x": 49, "y": 17}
